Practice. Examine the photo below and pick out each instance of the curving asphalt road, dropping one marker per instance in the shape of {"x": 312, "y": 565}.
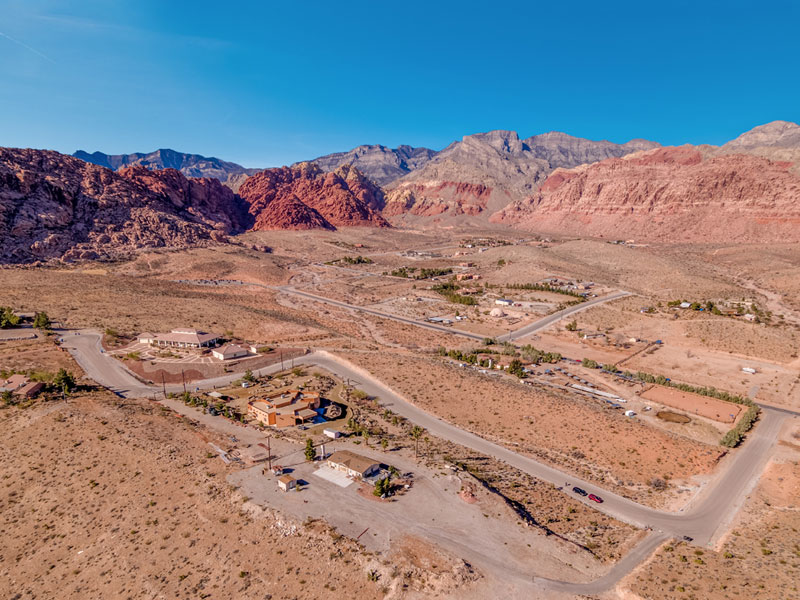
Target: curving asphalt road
{"x": 719, "y": 503}
{"x": 545, "y": 322}
{"x": 538, "y": 325}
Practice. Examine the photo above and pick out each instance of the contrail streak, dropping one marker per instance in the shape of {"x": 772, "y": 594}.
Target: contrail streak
{"x": 24, "y": 45}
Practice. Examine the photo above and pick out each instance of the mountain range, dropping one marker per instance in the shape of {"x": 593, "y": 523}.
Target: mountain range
{"x": 97, "y": 205}
{"x": 191, "y": 165}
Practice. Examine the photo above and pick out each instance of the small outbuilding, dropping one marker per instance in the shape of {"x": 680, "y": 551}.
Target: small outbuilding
{"x": 286, "y": 483}
{"x": 229, "y": 352}
{"x": 30, "y": 389}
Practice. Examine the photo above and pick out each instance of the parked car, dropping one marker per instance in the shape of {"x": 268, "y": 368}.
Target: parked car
{"x": 579, "y": 491}
{"x": 594, "y": 498}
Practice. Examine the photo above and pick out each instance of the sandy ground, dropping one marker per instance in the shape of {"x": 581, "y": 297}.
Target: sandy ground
{"x": 432, "y": 509}
{"x": 89, "y": 487}
{"x": 760, "y": 558}
{"x": 695, "y": 404}
{"x": 110, "y": 499}
{"x": 570, "y": 431}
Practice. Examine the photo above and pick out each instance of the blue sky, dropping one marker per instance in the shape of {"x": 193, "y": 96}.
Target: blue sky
{"x": 268, "y": 83}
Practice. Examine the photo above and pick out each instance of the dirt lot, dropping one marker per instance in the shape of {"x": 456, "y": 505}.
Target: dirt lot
{"x": 695, "y": 404}
{"x": 550, "y": 512}
{"x": 39, "y": 354}
{"x": 93, "y": 515}
{"x": 570, "y": 431}
{"x": 759, "y": 559}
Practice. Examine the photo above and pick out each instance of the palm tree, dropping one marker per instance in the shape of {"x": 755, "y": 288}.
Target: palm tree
{"x": 365, "y": 435}
{"x": 416, "y": 433}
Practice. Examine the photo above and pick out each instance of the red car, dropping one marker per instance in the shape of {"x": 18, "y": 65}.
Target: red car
{"x": 594, "y": 498}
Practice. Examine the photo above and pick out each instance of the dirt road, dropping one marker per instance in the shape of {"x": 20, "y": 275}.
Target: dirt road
{"x": 719, "y": 504}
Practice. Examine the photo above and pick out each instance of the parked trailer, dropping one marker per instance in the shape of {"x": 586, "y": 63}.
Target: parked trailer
{"x": 595, "y": 392}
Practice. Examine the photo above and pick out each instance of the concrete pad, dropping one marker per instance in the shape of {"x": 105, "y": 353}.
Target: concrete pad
{"x": 339, "y": 478}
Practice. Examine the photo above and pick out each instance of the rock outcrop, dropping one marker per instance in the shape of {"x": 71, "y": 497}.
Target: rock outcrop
{"x": 779, "y": 141}
{"x": 667, "y": 194}
{"x": 191, "y": 165}
{"x": 337, "y": 199}
{"x": 379, "y": 163}
{"x": 57, "y": 206}
{"x": 484, "y": 172}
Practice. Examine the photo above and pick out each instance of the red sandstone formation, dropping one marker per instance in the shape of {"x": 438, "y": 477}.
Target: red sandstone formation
{"x": 57, "y": 206}
{"x": 667, "y": 194}
{"x": 341, "y": 198}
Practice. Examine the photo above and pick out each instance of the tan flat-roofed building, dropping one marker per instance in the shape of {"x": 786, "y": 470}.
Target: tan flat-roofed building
{"x": 14, "y": 382}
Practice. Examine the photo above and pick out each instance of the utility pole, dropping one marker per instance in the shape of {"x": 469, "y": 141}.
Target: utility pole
{"x": 163, "y": 385}
{"x": 269, "y": 454}
{"x": 281, "y": 353}
{"x": 183, "y": 376}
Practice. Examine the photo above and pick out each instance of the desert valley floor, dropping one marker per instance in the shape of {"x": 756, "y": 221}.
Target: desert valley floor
{"x": 550, "y": 417}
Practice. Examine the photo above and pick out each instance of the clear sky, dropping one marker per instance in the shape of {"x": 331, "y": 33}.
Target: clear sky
{"x": 267, "y": 83}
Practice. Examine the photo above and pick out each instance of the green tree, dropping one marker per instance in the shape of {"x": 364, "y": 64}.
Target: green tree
{"x": 572, "y": 326}
{"x": 8, "y": 397}
{"x": 416, "y": 433}
{"x": 41, "y": 321}
{"x": 365, "y": 434}
{"x": 8, "y": 318}
{"x": 384, "y": 443}
{"x": 517, "y": 368}
{"x": 383, "y": 486}
{"x": 64, "y": 380}
{"x": 310, "y": 451}
{"x": 610, "y": 368}
{"x": 248, "y": 376}
{"x": 589, "y": 363}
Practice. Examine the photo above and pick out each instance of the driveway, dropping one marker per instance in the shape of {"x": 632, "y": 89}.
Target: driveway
{"x": 336, "y": 477}
{"x": 719, "y": 503}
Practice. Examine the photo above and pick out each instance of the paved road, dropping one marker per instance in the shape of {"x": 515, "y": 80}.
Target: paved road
{"x": 625, "y": 565}
{"x": 538, "y": 325}
{"x": 545, "y": 322}
{"x": 432, "y": 326}
{"x": 719, "y": 503}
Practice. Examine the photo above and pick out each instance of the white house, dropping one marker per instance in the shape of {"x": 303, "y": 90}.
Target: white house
{"x": 504, "y": 302}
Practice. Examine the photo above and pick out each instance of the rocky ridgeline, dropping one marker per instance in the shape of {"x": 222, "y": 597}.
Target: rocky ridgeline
{"x": 305, "y": 197}
{"x": 57, "y": 206}
{"x": 54, "y": 206}
{"x": 668, "y": 194}
{"x": 485, "y": 172}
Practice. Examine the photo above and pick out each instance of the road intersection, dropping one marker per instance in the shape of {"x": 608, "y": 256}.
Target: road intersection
{"x": 701, "y": 521}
